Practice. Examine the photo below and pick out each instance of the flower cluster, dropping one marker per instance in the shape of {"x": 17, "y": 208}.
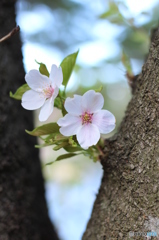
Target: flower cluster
{"x": 83, "y": 119}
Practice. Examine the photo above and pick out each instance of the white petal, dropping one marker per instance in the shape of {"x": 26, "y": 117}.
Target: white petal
{"x": 92, "y": 101}
{"x": 56, "y": 91}
{"x": 69, "y": 125}
{"x": 56, "y": 76}
{"x": 37, "y": 81}
{"x": 46, "y": 110}
{"x": 104, "y": 120}
{"x": 32, "y": 100}
{"x": 73, "y": 105}
{"x": 88, "y": 135}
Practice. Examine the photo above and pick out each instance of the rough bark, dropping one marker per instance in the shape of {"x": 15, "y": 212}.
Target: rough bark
{"x": 23, "y": 211}
{"x": 128, "y": 199}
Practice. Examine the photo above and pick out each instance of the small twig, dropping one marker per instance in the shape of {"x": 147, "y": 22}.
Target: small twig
{"x": 10, "y": 34}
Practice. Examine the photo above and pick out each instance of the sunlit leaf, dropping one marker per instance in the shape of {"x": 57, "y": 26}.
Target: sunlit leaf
{"x": 44, "y": 129}
{"x": 43, "y": 69}
{"x": 20, "y": 91}
{"x": 67, "y": 66}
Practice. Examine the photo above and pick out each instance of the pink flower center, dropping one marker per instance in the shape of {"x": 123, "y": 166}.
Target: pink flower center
{"x": 48, "y": 91}
{"x": 86, "y": 118}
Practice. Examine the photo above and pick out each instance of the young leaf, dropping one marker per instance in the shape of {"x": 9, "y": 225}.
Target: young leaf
{"x": 43, "y": 145}
{"x": 72, "y": 142}
{"x": 43, "y": 69}
{"x": 64, "y": 156}
{"x": 20, "y": 91}
{"x": 44, "y": 129}
{"x": 72, "y": 149}
{"x": 50, "y": 137}
{"x": 60, "y": 137}
{"x": 67, "y": 66}
{"x": 55, "y": 138}
{"x": 59, "y": 146}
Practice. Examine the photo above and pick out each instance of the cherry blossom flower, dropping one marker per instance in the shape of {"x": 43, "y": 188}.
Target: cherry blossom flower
{"x": 86, "y": 118}
{"x": 43, "y": 91}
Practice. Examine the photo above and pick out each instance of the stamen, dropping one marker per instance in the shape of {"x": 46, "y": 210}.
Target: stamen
{"x": 48, "y": 91}
{"x": 86, "y": 118}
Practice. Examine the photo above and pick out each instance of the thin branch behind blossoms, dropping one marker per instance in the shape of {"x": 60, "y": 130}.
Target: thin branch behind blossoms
{"x": 10, "y": 34}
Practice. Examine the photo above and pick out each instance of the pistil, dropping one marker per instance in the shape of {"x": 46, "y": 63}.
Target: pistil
{"x": 86, "y": 118}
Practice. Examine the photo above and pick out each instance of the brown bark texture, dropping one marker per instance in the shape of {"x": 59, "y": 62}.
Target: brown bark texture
{"x": 23, "y": 211}
{"x": 128, "y": 199}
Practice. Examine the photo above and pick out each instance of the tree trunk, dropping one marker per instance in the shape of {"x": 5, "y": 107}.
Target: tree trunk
{"x": 128, "y": 199}
{"x": 23, "y": 212}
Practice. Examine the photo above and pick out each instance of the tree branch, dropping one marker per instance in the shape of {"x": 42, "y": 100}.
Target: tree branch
{"x": 10, "y": 34}
{"x": 128, "y": 199}
{"x": 23, "y": 210}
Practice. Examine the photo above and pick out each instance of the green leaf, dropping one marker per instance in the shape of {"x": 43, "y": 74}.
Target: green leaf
{"x": 67, "y": 66}
{"x": 126, "y": 62}
{"x": 57, "y": 103}
{"x": 44, "y": 129}
{"x": 64, "y": 156}
{"x": 62, "y": 94}
{"x": 64, "y": 112}
{"x": 50, "y": 137}
{"x": 55, "y": 138}
{"x": 59, "y": 146}
{"x": 119, "y": 20}
{"x": 72, "y": 149}
{"x": 72, "y": 142}
{"x": 20, "y": 91}
{"x": 60, "y": 137}
{"x": 43, "y": 69}
{"x": 113, "y": 14}
{"x": 113, "y": 10}
{"x": 43, "y": 145}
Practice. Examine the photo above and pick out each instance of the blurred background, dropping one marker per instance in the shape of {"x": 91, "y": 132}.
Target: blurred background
{"x": 101, "y": 30}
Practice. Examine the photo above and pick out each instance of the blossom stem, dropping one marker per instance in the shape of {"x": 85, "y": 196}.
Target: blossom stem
{"x": 99, "y": 150}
